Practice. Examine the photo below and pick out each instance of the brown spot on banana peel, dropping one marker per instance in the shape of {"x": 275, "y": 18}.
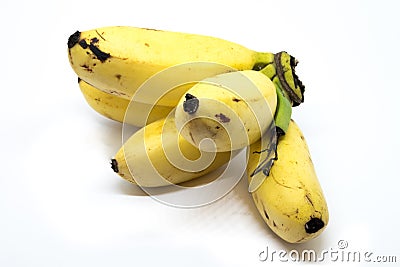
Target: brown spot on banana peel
{"x": 118, "y": 93}
{"x": 83, "y": 44}
{"x": 191, "y": 137}
{"x": 87, "y": 68}
{"x": 293, "y": 213}
{"x": 100, "y": 35}
{"x": 100, "y": 55}
{"x": 151, "y": 29}
{"x": 266, "y": 214}
{"x": 222, "y": 118}
{"x": 308, "y": 197}
{"x": 94, "y": 40}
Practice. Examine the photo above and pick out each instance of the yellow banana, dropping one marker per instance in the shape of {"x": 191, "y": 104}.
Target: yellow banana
{"x": 119, "y": 60}
{"x": 289, "y": 199}
{"x": 157, "y": 155}
{"x": 232, "y": 109}
{"x": 114, "y": 107}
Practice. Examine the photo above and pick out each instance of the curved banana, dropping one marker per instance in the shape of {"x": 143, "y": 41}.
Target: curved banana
{"x": 114, "y": 107}
{"x": 157, "y": 155}
{"x": 232, "y": 109}
{"x": 290, "y": 199}
{"x": 119, "y": 60}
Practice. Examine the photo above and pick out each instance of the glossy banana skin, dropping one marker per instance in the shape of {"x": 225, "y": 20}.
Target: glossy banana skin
{"x": 290, "y": 200}
{"x": 119, "y": 60}
{"x": 157, "y": 155}
{"x": 231, "y": 109}
{"x": 114, "y": 107}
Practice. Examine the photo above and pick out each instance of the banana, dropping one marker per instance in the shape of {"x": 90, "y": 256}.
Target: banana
{"x": 114, "y": 107}
{"x": 290, "y": 199}
{"x": 119, "y": 60}
{"x": 232, "y": 109}
{"x": 157, "y": 155}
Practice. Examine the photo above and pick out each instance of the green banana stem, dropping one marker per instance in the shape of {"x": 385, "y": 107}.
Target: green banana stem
{"x": 283, "y": 112}
{"x": 282, "y": 118}
{"x": 280, "y": 68}
{"x": 263, "y": 60}
{"x": 290, "y": 92}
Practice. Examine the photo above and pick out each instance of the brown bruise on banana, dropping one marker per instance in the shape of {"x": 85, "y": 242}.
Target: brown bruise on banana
{"x": 100, "y": 55}
{"x": 87, "y": 68}
{"x": 222, "y": 118}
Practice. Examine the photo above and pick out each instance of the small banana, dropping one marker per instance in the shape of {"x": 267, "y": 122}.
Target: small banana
{"x": 157, "y": 155}
{"x": 232, "y": 109}
{"x": 119, "y": 60}
{"x": 290, "y": 199}
{"x": 114, "y": 107}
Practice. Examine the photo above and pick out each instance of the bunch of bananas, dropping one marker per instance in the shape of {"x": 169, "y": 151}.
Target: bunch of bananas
{"x": 199, "y": 101}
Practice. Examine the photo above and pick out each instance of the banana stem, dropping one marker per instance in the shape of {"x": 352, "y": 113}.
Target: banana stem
{"x": 283, "y": 112}
{"x": 280, "y": 68}
{"x": 282, "y": 118}
{"x": 285, "y": 65}
{"x": 263, "y": 60}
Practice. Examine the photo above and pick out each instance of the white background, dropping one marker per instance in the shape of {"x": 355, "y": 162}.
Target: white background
{"x": 60, "y": 202}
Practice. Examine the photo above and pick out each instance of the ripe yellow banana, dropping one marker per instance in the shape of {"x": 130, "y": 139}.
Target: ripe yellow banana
{"x": 232, "y": 109}
{"x": 119, "y": 60}
{"x": 289, "y": 199}
{"x": 157, "y": 155}
{"x": 114, "y": 107}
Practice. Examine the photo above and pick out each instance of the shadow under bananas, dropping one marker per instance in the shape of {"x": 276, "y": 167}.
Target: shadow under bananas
{"x": 207, "y": 179}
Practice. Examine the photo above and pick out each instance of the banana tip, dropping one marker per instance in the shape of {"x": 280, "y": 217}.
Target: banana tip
{"x": 74, "y": 39}
{"x": 114, "y": 165}
{"x": 191, "y": 104}
{"x": 314, "y": 225}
